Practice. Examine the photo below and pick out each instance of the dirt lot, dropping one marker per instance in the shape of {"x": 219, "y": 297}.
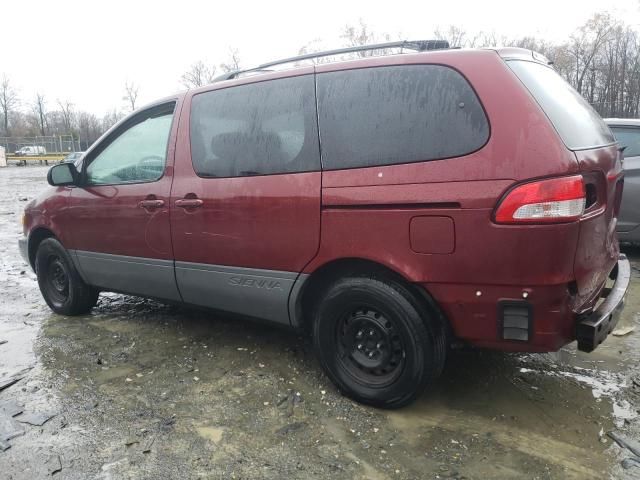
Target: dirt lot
{"x": 143, "y": 390}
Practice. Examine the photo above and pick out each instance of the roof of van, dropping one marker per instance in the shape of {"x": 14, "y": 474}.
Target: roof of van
{"x": 439, "y": 55}
{"x": 507, "y": 53}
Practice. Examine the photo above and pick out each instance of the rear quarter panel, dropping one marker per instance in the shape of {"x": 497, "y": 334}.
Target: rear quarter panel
{"x": 598, "y": 248}
{"x": 367, "y": 212}
{"x": 522, "y": 145}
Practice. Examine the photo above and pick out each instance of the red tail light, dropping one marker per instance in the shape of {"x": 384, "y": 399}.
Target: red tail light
{"x": 554, "y": 200}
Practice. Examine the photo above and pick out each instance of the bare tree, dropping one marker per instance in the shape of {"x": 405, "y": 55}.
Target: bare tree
{"x": 233, "y": 62}
{"x": 313, "y": 47}
{"x": 8, "y": 101}
{"x": 456, "y": 36}
{"x": 89, "y": 129}
{"x": 352, "y": 36}
{"x": 361, "y": 34}
{"x": 68, "y": 114}
{"x": 586, "y": 43}
{"x": 131, "y": 94}
{"x": 39, "y": 109}
{"x": 198, "y": 75}
{"x": 110, "y": 119}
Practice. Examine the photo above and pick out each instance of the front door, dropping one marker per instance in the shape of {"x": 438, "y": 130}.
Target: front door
{"x": 120, "y": 236}
{"x": 245, "y": 204}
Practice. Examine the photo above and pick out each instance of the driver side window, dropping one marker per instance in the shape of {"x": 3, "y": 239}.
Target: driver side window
{"x": 136, "y": 155}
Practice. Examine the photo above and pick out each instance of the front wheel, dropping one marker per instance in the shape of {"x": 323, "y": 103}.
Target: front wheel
{"x": 59, "y": 281}
{"x": 377, "y": 342}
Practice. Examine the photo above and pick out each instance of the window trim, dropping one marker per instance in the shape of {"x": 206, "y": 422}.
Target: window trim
{"x": 466, "y": 79}
{"x": 133, "y": 120}
{"x": 261, "y": 81}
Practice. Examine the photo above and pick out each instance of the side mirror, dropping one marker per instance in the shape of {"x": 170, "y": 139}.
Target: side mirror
{"x": 62, "y": 175}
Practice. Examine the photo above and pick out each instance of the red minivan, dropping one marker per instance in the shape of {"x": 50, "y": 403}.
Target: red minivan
{"x": 389, "y": 206}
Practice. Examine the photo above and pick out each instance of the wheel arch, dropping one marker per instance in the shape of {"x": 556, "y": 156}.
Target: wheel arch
{"x": 36, "y": 236}
{"x": 307, "y": 294}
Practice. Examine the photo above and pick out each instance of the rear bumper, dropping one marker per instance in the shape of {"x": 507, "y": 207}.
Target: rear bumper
{"x": 477, "y": 318}
{"x": 593, "y": 329}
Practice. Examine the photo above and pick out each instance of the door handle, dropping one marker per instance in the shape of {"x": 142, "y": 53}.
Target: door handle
{"x": 189, "y": 203}
{"x": 151, "y": 203}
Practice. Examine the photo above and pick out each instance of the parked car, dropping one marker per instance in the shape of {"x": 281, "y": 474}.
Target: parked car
{"x": 389, "y": 206}
{"x": 627, "y": 132}
{"x": 73, "y": 157}
{"x": 30, "y": 151}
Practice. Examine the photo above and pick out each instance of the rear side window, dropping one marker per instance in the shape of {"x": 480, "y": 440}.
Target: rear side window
{"x": 577, "y": 123}
{"x": 628, "y": 137}
{"x": 400, "y": 114}
{"x": 257, "y": 129}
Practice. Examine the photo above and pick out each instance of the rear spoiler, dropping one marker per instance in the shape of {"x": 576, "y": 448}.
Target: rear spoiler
{"x": 514, "y": 53}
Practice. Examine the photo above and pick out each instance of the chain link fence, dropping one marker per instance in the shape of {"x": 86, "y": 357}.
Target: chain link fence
{"x": 53, "y": 144}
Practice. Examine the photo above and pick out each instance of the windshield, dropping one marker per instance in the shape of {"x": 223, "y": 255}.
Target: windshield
{"x": 577, "y": 123}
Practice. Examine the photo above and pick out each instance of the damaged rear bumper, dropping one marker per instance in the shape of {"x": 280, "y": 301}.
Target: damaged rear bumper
{"x": 594, "y": 328}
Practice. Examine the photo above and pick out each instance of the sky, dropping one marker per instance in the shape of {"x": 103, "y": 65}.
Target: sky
{"x": 85, "y": 51}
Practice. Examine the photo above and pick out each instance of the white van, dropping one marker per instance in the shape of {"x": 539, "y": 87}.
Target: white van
{"x": 31, "y": 151}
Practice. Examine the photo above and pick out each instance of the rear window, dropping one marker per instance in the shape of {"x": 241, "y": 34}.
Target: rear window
{"x": 577, "y": 123}
{"x": 628, "y": 137}
{"x": 399, "y": 114}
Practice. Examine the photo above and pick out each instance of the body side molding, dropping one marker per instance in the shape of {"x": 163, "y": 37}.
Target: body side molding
{"x": 253, "y": 292}
{"x": 148, "y": 277}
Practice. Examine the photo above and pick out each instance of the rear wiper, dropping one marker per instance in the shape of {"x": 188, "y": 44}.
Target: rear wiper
{"x": 248, "y": 173}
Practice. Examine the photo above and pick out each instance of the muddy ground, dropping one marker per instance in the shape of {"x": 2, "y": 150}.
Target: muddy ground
{"x": 141, "y": 390}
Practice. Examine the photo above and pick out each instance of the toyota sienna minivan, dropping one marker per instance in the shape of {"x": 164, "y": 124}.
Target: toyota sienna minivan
{"x": 389, "y": 206}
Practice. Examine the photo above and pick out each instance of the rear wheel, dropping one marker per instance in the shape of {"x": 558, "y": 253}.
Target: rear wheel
{"x": 377, "y": 342}
{"x": 59, "y": 281}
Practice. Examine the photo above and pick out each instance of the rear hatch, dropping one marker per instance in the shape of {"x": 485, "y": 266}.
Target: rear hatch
{"x": 600, "y": 162}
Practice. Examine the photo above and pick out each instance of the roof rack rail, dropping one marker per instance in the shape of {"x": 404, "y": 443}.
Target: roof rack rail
{"x": 418, "y": 45}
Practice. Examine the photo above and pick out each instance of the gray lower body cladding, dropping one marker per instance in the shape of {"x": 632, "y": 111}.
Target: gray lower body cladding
{"x": 147, "y": 277}
{"x": 260, "y": 293}
{"x": 253, "y": 292}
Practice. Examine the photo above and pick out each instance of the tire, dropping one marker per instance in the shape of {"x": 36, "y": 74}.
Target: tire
{"x": 376, "y": 342}
{"x": 59, "y": 281}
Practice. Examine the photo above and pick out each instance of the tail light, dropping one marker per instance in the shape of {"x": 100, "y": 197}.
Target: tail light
{"x": 553, "y": 200}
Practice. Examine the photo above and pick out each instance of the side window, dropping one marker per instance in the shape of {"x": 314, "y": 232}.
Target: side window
{"x": 628, "y": 137}
{"x": 257, "y": 129}
{"x": 138, "y": 154}
{"x": 401, "y": 114}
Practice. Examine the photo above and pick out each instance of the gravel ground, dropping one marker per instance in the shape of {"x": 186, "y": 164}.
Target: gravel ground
{"x": 141, "y": 390}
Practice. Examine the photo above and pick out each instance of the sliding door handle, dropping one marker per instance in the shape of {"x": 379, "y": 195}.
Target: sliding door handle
{"x": 150, "y": 204}
{"x": 189, "y": 203}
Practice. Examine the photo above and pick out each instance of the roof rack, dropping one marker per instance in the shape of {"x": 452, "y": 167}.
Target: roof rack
{"x": 418, "y": 45}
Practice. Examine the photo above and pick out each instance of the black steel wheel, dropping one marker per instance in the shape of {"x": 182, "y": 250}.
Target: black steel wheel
{"x": 376, "y": 341}
{"x": 60, "y": 283}
{"x": 57, "y": 280}
{"x": 370, "y": 347}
